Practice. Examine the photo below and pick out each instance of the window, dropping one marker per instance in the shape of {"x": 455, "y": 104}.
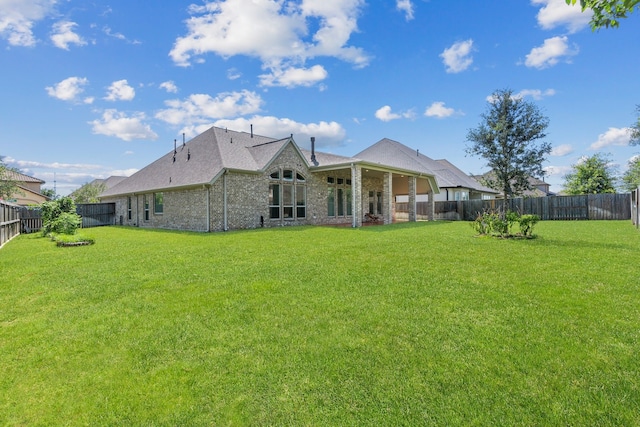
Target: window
{"x": 301, "y": 201}
{"x": 158, "y": 203}
{"x": 129, "y": 208}
{"x": 146, "y": 207}
{"x": 339, "y": 197}
{"x": 287, "y": 195}
{"x": 331, "y": 201}
{"x": 274, "y": 201}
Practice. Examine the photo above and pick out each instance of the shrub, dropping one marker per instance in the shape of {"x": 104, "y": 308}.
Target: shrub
{"x": 527, "y": 222}
{"x": 496, "y": 223}
{"x": 59, "y": 216}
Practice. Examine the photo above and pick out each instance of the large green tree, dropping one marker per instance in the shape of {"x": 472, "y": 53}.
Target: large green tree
{"x": 8, "y": 186}
{"x": 606, "y": 13}
{"x": 509, "y": 140}
{"x": 635, "y": 128}
{"x": 631, "y": 178}
{"x": 593, "y": 175}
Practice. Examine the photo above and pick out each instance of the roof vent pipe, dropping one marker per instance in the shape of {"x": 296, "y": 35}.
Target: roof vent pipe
{"x": 251, "y": 131}
{"x": 184, "y": 142}
{"x": 175, "y": 151}
{"x": 313, "y": 149}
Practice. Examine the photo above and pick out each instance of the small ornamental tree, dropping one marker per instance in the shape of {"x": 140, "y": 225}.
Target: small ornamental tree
{"x": 594, "y": 175}
{"x": 59, "y": 216}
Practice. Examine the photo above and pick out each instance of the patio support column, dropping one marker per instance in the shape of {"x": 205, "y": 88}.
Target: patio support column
{"x": 412, "y": 198}
{"x": 356, "y": 196}
{"x": 387, "y": 198}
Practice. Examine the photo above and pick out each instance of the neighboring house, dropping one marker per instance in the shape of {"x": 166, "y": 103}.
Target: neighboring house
{"x": 29, "y": 189}
{"x": 453, "y": 183}
{"x": 223, "y": 180}
{"x": 539, "y": 188}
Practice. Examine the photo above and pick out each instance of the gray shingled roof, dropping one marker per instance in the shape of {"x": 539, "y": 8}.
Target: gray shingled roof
{"x": 12, "y": 175}
{"x": 458, "y": 176}
{"x": 393, "y": 153}
{"x": 200, "y": 161}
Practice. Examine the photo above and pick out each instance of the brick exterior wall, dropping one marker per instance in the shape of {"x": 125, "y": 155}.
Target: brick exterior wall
{"x": 246, "y": 196}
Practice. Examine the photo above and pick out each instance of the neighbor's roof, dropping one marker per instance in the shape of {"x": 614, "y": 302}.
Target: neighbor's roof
{"x": 393, "y": 153}
{"x": 20, "y": 177}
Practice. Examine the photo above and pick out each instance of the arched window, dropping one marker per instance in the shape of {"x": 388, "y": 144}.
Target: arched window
{"x": 287, "y": 195}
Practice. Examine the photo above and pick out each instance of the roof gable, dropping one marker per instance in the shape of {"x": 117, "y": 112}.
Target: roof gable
{"x": 201, "y": 160}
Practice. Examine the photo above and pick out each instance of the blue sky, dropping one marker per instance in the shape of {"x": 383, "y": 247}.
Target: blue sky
{"x": 93, "y": 89}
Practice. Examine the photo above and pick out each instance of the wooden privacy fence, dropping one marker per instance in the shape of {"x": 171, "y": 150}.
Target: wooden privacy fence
{"x": 93, "y": 215}
{"x": 97, "y": 214}
{"x": 582, "y": 207}
{"x": 9, "y": 221}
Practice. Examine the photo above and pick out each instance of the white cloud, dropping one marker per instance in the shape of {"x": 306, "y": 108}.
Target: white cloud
{"x": 327, "y": 134}
{"x": 233, "y": 74}
{"x": 555, "y": 13}
{"x": 613, "y": 136}
{"x": 292, "y": 77}
{"x": 405, "y": 6}
{"x": 458, "y": 58}
{"x": 169, "y": 86}
{"x": 27, "y": 164}
{"x": 557, "y": 170}
{"x": 120, "y": 91}
{"x": 281, "y": 34}
{"x": 63, "y": 35}
{"x": 17, "y": 18}
{"x": 437, "y": 109}
{"x": 562, "y": 150}
{"x": 386, "y": 115}
{"x": 202, "y": 108}
{"x": 550, "y": 53}
{"x": 115, "y": 123}
{"x": 69, "y": 89}
{"x": 536, "y": 94}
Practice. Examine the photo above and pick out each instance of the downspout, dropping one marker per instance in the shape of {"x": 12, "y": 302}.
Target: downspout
{"x": 225, "y": 225}
{"x": 208, "y": 215}
{"x": 354, "y": 222}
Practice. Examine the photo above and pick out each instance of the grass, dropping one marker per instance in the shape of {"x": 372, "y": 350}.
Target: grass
{"x": 409, "y": 324}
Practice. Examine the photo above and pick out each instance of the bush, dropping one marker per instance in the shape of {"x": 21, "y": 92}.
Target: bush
{"x": 59, "y": 216}
{"x": 496, "y": 223}
{"x": 527, "y": 222}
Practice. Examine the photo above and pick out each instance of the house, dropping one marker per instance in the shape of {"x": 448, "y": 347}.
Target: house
{"x": 224, "y": 180}
{"x": 539, "y": 188}
{"x": 454, "y": 184}
{"x": 29, "y": 189}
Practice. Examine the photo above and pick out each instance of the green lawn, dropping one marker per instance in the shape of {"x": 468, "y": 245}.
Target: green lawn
{"x": 408, "y": 324}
